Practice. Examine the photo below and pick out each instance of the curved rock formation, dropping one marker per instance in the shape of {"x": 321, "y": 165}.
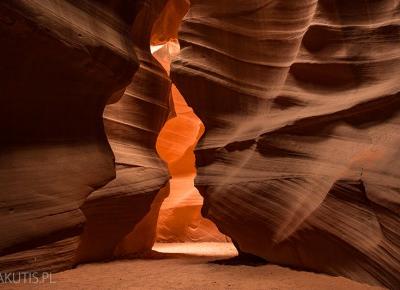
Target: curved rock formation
{"x": 300, "y": 160}
{"x": 167, "y": 24}
{"x": 180, "y": 218}
{"x": 60, "y": 63}
{"x": 132, "y": 126}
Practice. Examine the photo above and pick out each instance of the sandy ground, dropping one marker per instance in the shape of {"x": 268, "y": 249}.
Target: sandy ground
{"x": 188, "y": 266}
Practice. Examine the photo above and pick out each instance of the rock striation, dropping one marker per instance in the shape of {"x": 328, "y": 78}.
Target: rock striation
{"x": 60, "y": 63}
{"x": 300, "y": 161}
{"x": 179, "y": 219}
{"x": 132, "y": 126}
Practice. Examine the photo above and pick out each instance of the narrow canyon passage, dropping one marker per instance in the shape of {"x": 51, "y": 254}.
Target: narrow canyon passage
{"x": 180, "y": 217}
{"x": 200, "y": 144}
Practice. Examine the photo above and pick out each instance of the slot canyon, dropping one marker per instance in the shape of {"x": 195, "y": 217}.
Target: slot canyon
{"x": 200, "y": 144}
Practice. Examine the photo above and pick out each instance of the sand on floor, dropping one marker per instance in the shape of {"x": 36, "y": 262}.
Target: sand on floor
{"x": 189, "y": 266}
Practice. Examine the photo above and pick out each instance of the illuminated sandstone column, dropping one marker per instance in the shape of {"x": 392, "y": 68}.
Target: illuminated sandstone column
{"x": 180, "y": 217}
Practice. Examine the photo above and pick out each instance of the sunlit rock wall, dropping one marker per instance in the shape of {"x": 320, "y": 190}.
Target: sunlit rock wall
{"x": 300, "y": 159}
{"x": 180, "y": 218}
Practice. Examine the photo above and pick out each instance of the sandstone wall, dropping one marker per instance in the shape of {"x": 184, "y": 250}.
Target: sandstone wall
{"x": 299, "y": 162}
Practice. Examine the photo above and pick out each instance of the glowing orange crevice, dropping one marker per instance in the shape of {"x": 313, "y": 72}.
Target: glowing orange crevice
{"x": 180, "y": 219}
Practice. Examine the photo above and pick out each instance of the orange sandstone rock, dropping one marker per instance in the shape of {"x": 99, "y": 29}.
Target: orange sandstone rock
{"x": 180, "y": 219}
{"x": 300, "y": 161}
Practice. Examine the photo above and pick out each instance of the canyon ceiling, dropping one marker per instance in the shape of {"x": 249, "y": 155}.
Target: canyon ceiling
{"x": 292, "y": 109}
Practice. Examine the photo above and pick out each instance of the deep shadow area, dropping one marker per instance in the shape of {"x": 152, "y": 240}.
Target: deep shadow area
{"x": 241, "y": 260}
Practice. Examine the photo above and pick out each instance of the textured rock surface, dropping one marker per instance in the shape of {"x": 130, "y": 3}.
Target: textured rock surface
{"x": 60, "y": 62}
{"x": 180, "y": 217}
{"x": 300, "y": 159}
{"x": 132, "y": 126}
{"x": 167, "y": 24}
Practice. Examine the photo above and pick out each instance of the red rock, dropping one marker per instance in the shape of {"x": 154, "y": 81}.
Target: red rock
{"x": 299, "y": 162}
{"x": 132, "y": 125}
{"x": 180, "y": 217}
{"x": 58, "y": 68}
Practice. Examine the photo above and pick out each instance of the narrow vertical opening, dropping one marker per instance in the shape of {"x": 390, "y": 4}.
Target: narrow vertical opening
{"x": 180, "y": 218}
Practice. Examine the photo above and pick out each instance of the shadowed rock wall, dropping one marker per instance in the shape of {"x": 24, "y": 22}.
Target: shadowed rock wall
{"x": 63, "y": 61}
{"x": 299, "y": 162}
{"x": 300, "y": 159}
{"x": 60, "y": 63}
{"x": 132, "y": 125}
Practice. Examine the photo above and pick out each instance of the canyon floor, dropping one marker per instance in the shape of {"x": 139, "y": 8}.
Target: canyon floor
{"x": 189, "y": 266}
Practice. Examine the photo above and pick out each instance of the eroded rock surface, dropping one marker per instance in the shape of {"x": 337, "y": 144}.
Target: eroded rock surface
{"x": 180, "y": 218}
{"x": 60, "y": 63}
{"x": 132, "y": 125}
{"x": 300, "y": 160}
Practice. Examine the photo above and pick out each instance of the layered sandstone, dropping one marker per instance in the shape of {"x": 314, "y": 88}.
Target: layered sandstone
{"x": 122, "y": 216}
{"x": 299, "y": 162}
{"x": 60, "y": 63}
{"x": 180, "y": 218}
